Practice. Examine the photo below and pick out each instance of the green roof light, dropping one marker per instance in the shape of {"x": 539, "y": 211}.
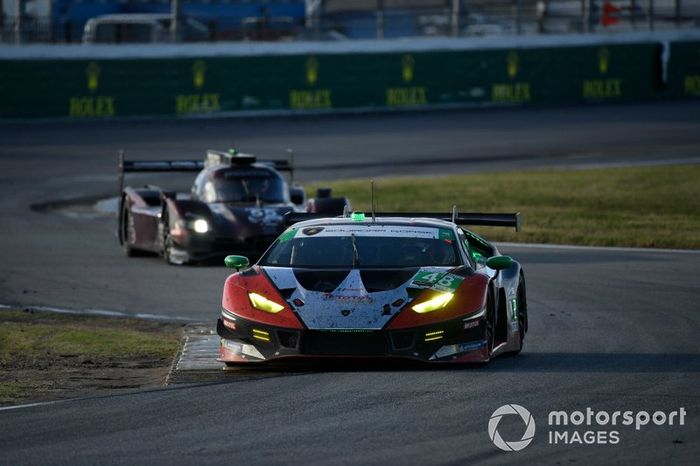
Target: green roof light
{"x": 358, "y": 216}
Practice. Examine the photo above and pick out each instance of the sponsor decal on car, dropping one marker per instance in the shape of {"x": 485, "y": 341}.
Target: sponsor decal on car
{"x": 373, "y": 231}
{"x": 451, "y": 350}
{"x": 267, "y": 217}
{"x": 359, "y": 299}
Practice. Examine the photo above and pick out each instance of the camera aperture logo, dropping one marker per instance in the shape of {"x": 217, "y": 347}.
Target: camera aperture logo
{"x": 527, "y": 418}
{"x": 582, "y": 427}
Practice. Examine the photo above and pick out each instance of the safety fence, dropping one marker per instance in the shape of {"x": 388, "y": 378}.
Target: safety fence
{"x": 122, "y": 21}
{"x": 305, "y": 82}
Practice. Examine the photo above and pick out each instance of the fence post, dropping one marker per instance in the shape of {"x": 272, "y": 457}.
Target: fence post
{"x": 174, "y": 20}
{"x": 454, "y": 20}
{"x": 650, "y": 12}
{"x": 19, "y": 20}
{"x": 312, "y": 17}
{"x": 518, "y": 25}
{"x": 380, "y": 19}
{"x": 585, "y": 15}
{"x": 542, "y": 11}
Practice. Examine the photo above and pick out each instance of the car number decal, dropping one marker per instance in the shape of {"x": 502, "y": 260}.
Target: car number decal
{"x": 439, "y": 281}
{"x": 448, "y": 283}
{"x": 427, "y": 278}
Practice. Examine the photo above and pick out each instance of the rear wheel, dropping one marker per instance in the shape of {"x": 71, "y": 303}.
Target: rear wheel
{"x": 330, "y": 206}
{"x": 126, "y": 232}
{"x": 490, "y": 320}
{"x": 522, "y": 313}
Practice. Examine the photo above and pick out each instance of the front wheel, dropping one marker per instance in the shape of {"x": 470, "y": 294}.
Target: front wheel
{"x": 170, "y": 253}
{"x": 167, "y": 243}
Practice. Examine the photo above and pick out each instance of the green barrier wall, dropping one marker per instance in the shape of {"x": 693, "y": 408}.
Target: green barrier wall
{"x": 684, "y": 69}
{"x": 138, "y": 87}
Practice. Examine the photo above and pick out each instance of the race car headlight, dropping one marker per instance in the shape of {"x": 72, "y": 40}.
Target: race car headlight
{"x": 200, "y": 225}
{"x": 264, "y": 304}
{"x": 438, "y": 302}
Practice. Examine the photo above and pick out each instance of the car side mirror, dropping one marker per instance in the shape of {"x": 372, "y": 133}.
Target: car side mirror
{"x": 499, "y": 262}
{"x": 236, "y": 262}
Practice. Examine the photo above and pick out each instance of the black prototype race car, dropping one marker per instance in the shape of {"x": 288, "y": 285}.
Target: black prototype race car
{"x": 236, "y": 206}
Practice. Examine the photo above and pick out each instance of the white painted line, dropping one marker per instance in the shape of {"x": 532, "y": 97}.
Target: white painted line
{"x": 100, "y": 312}
{"x": 30, "y": 405}
{"x": 632, "y": 163}
{"x": 596, "y": 248}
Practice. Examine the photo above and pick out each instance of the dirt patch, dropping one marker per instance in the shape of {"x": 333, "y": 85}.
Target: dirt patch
{"x": 46, "y": 356}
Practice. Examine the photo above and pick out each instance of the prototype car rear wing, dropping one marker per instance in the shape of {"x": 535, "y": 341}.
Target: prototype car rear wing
{"x": 212, "y": 158}
{"x": 469, "y": 218}
{"x": 135, "y": 166}
{"x": 126, "y": 166}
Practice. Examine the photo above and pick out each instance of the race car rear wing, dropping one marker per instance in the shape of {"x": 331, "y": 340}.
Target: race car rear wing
{"x": 126, "y": 166}
{"x": 213, "y": 157}
{"x": 135, "y": 166}
{"x": 466, "y": 219}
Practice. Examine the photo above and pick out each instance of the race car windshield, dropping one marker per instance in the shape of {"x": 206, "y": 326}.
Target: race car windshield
{"x": 245, "y": 189}
{"x": 356, "y": 251}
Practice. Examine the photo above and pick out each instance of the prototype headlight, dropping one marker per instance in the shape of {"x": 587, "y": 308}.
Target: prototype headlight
{"x": 200, "y": 225}
{"x": 438, "y": 302}
{"x": 264, "y": 304}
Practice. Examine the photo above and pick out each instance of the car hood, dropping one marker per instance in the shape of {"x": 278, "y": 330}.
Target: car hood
{"x": 351, "y": 298}
{"x": 244, "y": 221}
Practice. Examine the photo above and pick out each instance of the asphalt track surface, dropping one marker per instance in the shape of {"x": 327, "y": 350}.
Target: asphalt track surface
{"x": 609, "y": 329}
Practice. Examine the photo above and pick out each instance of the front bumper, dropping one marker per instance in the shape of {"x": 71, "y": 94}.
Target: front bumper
{"x": 209, "y": 247}
{"x": 458, "y": 340}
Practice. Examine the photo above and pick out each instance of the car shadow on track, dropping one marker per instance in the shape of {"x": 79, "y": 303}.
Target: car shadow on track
{"x": 525, "y": 362}
{"x": 253, "y": 371}
{"x": 347, "y": 365}
{"x": 598, "y": 362}
{"x": 620, "y": 363}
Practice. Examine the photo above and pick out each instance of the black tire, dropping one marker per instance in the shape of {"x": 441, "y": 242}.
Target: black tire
{"x": 169, "y": 245}
{"x": 331, "y": 206}
{"x": 490, "y": 333}
{"x": 167, "y": 242}
{"x": 125, "y": 232}
{"x": 522, "y": 313}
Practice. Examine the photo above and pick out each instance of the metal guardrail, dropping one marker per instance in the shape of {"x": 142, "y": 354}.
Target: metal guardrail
{"x": 335, "y": 20}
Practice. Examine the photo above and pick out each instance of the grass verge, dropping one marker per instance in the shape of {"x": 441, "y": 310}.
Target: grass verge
{"x": 639, "y": 206}
{"x": 47, "y": 356}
